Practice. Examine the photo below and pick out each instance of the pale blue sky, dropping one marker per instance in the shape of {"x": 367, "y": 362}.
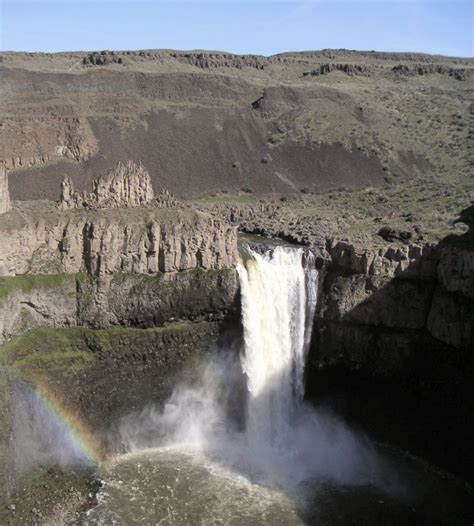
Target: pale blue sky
{"x": 258, "y": 26}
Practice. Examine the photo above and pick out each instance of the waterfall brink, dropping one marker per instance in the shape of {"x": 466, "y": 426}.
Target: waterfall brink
{"x": 279, "y": 292}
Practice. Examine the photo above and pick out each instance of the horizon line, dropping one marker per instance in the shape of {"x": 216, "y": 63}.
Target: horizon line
{"x": 208, "y": 51}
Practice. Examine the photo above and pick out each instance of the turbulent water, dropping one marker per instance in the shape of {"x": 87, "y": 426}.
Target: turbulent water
{"x": 211, "y": 457}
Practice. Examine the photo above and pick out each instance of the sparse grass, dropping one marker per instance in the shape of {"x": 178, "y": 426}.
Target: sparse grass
{"x": 66, "y": 351}
{"x": 361, "y": 227}
{"x": 243, "y": 197}
{"x": 57, "y": 351}
{"x": 28, "y": 282}
{"x": 56, "y": 361}
{"x": 22, "y": 216}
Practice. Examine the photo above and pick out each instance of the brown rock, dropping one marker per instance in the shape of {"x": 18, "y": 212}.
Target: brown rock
{"x": 128, "y": 185}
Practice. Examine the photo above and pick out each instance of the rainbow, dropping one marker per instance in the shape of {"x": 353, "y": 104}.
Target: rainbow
{"x": 75, "y": 431}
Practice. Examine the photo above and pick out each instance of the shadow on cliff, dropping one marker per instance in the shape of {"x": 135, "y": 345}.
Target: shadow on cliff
{"x": 395, "y": 356}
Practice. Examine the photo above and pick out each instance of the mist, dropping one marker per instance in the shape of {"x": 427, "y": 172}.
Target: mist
{"x": 198, "y": 416}
{"x": 38, "y": 437}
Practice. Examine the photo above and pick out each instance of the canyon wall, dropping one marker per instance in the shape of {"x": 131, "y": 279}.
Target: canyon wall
{"x": 400, "y": 313}
{"x": 127, "y": 300}
{"x": 399, "y": 332}
{"x": 381, "y": 311}
{"x": 128, "y": 267}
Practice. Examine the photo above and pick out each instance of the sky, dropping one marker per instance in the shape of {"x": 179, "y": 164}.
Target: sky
{"x": 262, "y": 27}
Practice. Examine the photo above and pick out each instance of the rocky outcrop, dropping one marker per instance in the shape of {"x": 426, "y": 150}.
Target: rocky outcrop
{"x": 383, "y": 311}
{"x": 109, "y": 241}
{"x": 166, "y": 199}
{"x": 28, "y": 139}
{"x": 5, "y": 204}
{"x": 202, "y": 60}
{"x": 349, "y": 69}
{"x": 430, "y": 69}
{"x": 102, "y": 58}
{"x": 36, "y": 301}
{"x": 127, "y": 186}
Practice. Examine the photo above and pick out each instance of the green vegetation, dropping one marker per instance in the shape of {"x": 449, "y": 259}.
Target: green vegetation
{"x": 43, "y": 488}
{"x": 361, "y": 227}
{"x": 54, "y": 350}
{"x": 4, "y": 393}
{"x": 28, "y": 282}
{"x": 74, "y": 361}
{"x": 427, "y": 206}
{"x": 69, "y": 351}
{"x": 212, "y": 272}
{"x": 158, "y": 281}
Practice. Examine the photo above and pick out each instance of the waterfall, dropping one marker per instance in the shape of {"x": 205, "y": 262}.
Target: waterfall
{"x": 279, "y": 291}
{"x": 285, "y": 441}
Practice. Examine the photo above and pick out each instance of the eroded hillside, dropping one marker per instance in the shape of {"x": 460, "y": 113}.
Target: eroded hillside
{"x": 207, "y": 122}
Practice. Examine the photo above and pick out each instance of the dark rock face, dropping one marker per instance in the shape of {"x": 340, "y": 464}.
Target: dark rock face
{"x": 407, "y": 340}
{"x": 430, "y": 297}
{"x": 349, "y": 69}
{"x": 133, "y": 368}
{"x": 146, "y": 301}
{"x": 393, "y": 234}
{"x": 128, "y": 300}
{"x": 103, "y": 58}
{"x": 430, "y": 69}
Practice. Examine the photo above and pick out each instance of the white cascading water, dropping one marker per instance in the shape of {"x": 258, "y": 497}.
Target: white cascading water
{"x": 278, "y": 304}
